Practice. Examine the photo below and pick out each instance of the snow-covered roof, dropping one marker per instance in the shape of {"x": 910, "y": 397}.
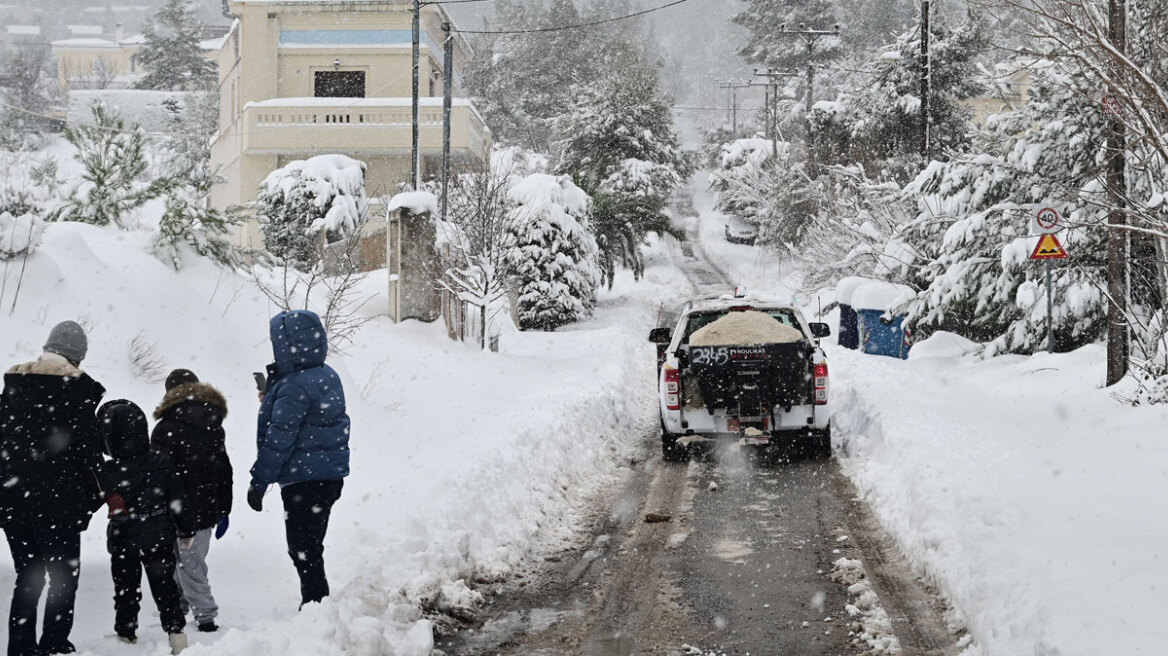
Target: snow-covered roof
{"x": 135, "y": 40}
{"x": 84, "y": 43}
{"x": 215, "y": 44}
{"x": 85, "y": 30}
{"x": 417, "y": 202}
{"x": 25, "y": 30}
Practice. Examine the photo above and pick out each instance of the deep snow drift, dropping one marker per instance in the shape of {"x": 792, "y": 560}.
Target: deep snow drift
{"x": 1018, "y": 486}
{"x": 464, "y": 463}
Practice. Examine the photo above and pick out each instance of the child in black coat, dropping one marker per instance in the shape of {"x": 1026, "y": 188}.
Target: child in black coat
{"x": 141, "y": 490}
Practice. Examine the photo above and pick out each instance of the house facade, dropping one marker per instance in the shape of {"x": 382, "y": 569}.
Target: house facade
{"x": 304, "y": 78}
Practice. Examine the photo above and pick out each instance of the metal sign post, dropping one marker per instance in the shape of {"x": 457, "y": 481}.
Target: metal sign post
{"x": 1047, "y": 249}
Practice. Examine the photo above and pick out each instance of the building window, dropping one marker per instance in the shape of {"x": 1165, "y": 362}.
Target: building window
{"x": 339, "y": 84}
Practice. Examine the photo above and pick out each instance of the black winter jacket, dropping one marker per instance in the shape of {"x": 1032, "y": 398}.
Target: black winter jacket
{"x": 190, "y": 432}
{"x": 49, "y": 446}
{"x": 143, "y": 477}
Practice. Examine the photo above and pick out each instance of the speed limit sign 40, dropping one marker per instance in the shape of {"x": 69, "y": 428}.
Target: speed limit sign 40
{"x": 1047, "y": 220}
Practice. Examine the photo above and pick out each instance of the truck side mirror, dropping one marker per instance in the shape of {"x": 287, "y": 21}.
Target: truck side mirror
{"x": 820, "y": 330}
{"x": 660, "y": 335}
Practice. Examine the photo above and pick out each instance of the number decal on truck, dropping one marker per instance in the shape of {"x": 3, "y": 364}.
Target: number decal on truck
{"x": 709, "y": 355}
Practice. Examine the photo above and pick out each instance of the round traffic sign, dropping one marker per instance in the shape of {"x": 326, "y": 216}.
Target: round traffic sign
{"x": 1048, "y": 218}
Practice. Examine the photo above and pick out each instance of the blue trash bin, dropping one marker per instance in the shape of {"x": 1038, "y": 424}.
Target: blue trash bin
{"x": 882, "y": 334}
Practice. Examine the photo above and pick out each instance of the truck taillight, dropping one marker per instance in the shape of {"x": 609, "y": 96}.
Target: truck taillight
{"x": 819, "y": 371}
{"x": 672, "y": 389}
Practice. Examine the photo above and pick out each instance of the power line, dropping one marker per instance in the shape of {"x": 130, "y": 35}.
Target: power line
{"x": 578, "y": 25}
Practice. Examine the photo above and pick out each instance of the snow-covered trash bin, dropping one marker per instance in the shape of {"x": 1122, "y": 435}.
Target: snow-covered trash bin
{"x": 880, "y": 318}
{"x": 849, "y": 336}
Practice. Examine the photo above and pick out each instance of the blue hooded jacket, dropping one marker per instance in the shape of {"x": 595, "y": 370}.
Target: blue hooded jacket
{"x": 303, "y": 428}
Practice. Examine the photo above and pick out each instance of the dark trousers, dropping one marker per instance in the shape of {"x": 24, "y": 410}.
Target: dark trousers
{"x": 306, "y": 516}
{"x": 137, "y": 545}
{"x": 35, "y": 554}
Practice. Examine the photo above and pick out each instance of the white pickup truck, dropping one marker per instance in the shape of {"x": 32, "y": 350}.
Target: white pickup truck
{"x": 770, "y": 396}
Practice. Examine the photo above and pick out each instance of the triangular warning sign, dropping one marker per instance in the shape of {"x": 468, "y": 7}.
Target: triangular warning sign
{"x": 1049, "y": 248}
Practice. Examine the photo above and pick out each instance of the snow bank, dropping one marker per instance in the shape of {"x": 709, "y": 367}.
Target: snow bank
{"x": 745, "y": 328}
{"x": 998, "y": 480}
{"x": 942, "y": 344}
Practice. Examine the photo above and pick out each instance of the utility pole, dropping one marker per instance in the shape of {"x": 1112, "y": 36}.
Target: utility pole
{"x": 415, "y": 153}
{"x": 926, "y": 82}
{"x": 732, "y": 88}
{"x": 447, "y": 102}
{"x": 810, "y": 36}
{"x": 1117, "y": 237}
{"x": 772, "y": 106}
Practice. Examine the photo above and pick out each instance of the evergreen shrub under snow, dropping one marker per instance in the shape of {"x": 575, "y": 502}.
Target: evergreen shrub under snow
{"x": 19, "y": 235}
{"x": 305, "y": 198}
{"x": 553, "y": 254}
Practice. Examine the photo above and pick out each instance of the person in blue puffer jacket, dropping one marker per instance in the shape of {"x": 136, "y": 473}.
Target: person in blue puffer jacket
{"x": 302, "y": 442}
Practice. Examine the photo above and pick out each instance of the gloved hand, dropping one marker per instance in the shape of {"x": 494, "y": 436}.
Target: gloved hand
{"x": 116, "y": 504}
{"x": 255, "y": 498}
{"x": 221, "y": 527}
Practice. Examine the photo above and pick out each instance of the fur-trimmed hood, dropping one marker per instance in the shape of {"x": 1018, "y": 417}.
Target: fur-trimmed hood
{"x": 199, "y": 392}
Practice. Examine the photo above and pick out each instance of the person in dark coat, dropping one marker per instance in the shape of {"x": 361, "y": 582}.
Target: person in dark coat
{"x": 145, "y": 498}
{"x": 190, "y": 432}
{"x": 49, "y": 450}
{"x": 302, "y": 442}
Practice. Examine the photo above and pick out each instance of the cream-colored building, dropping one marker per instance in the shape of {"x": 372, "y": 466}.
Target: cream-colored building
{"x": 1006, "y": 91}
{"x": 91, "y": 61}
{"x": 304, "y": 78}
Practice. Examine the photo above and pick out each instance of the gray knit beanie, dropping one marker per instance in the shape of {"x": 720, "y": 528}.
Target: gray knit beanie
{"x": 67, "y": 339}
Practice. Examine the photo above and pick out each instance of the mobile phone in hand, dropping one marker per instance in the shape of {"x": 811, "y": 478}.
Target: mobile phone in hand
{"x": 260, "y": 381}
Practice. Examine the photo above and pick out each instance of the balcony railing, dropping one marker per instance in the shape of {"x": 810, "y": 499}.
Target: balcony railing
{"x": 364, "y": 125}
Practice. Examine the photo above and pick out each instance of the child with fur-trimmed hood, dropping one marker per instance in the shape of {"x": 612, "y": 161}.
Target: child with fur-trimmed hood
{"x": 190, "y": 431}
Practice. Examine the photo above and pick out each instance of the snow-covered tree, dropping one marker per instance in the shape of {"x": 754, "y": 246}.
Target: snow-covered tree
{"x": 767, "y": 46}
{"x": 114, "y": 183}
{"x": 618, "y": 143}
{"x": 31, "y": 94}
{"x": 885, "y": 113}
{"x": 172, "y": 56}
{"x": 307, "y": 203}
{"x": 968, "y": 246}
{"x": 553, "y": 254}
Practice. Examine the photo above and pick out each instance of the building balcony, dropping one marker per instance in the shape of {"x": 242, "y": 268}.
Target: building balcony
{"x": 359, "y": 126}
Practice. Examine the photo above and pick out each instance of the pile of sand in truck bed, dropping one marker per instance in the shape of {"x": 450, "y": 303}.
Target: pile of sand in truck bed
{"x": 745, "y": 329}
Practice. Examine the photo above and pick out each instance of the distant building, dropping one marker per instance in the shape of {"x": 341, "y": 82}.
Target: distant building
{"x": 1007, "y": 89}
{"x": 298, "y": 79}
{"x": 94, "y": 62}
{"x": 15, "y": 35}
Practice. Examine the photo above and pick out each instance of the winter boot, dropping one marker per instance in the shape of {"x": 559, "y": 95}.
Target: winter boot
{"x": 208, "y": 627}
{"x": 129, "y": 639}
{"x": 178, "y": 642}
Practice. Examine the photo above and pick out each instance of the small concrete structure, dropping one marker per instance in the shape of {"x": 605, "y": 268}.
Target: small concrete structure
{"x": 413, "y": 259}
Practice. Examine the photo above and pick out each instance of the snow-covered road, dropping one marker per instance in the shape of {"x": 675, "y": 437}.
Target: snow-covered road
{"x": 1020, "y": 488}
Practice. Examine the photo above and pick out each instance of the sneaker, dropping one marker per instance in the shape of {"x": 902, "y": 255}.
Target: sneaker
{"x": 178, "y": 642}
{"x": 208, "y": 627}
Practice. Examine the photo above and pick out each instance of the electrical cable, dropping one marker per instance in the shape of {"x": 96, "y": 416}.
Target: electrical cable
{"x": 536, "y": 30}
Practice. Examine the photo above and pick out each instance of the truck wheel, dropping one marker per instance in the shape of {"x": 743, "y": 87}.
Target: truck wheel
{"x": 819, "y": 443}
{"x": 671, "y": 451}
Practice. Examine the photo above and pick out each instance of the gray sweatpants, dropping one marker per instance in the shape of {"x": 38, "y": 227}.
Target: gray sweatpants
{"x": 191, "y": 575}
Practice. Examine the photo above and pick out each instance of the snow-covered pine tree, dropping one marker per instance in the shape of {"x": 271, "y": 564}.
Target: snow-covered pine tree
{"x": 307, "y": 203}
{"x": 619, "y": 144}
{"x": 885, "y": 112}
{"x": 171, "y": 55}
{"x": 766, "y": 46}
{"x": 553, "y": 254}
{"x": 114, "y": 183}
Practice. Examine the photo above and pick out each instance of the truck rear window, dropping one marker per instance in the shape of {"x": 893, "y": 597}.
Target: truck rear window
{"x": 696, "y": 322}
